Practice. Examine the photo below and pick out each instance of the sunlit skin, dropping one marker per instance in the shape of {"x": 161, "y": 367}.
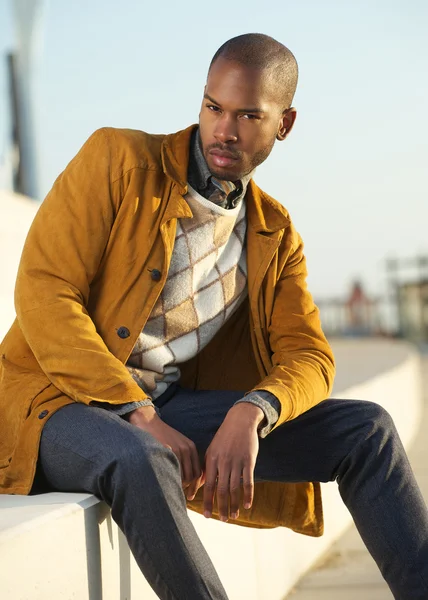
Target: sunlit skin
{"x": 241, "y": 117}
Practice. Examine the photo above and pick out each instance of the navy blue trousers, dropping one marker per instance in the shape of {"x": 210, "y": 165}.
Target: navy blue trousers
{"x": 352, "y": 442}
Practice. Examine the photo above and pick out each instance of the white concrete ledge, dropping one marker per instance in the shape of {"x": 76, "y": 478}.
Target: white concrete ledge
{"x": 65, "y": 546}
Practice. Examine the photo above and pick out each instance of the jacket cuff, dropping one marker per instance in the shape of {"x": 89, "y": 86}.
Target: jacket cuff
{"x": 124, "y": 409}
{"x": 269, "y": 404}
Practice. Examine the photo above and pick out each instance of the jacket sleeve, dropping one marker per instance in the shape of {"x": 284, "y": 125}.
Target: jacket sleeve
{"x": 302, "y": 362}
{"x": 61, "y": 256}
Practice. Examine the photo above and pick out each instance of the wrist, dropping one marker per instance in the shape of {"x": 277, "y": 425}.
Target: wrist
{"x": 248, "y": 412}
{"x": 142, "y": 415}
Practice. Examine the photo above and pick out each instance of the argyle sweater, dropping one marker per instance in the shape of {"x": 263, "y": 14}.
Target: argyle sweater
{"x": 206, "y": 283}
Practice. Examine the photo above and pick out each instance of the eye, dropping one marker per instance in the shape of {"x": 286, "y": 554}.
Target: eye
{"x": 213, "y": 107}
{"x": 250, "y": 117}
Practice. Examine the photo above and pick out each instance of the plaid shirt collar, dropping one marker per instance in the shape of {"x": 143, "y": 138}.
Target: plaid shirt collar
{"x": 199, "y": 175}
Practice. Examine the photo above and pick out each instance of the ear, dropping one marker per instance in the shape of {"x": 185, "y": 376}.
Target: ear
{"x": 288, "y": 119}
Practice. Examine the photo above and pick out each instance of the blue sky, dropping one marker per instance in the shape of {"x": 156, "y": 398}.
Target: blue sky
{"x": 353, "y": 174}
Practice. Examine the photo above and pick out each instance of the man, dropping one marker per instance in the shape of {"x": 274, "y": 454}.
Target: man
{"x": 166, "y": 347}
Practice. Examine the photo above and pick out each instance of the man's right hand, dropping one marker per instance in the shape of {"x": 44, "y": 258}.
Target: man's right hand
{"x": 192, "y": 476}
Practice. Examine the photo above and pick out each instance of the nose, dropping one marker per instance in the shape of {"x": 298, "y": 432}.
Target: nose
{"x": 226, "y": 129}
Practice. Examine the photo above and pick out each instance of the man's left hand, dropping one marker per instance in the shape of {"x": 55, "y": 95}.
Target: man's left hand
{"x": 230, "y": 461}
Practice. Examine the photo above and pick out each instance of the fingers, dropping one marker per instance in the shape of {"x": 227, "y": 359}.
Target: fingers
{"x": 248, "y": 482}
{"x": 226, "y": 481}
{"x": 210, "y": 485}
{"x": 196, "y": 465}
{"x": 186, "y": 466}
{"x": 229, "y": 467}
{"x": 194, "y": 487}
{"x": 189, "y": 461}
{"x": 229, "y": 491}
{"x": 235, "y": 493}
{"x": 223, "y": 480}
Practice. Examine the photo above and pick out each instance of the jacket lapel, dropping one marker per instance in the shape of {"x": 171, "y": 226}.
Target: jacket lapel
{"x": 266, "y": 221}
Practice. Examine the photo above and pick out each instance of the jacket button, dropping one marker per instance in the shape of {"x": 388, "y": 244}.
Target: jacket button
{"x": 123, "y": 332}
{"x": 43, "y": 414}
{"x": 156, "y": 275}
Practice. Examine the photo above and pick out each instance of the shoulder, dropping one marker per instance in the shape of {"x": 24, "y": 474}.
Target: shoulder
{"x": 126, "y": 149}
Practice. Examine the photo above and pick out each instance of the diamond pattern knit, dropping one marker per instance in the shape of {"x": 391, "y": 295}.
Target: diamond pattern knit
{"x": 206, "y": 283}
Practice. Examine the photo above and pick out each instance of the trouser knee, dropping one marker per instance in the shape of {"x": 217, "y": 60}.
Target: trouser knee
{"x": 143, "y": 457}
{"x": 376, "y": 420}
{"x": 141, "y": 466}
{"x": 371, "y": 434}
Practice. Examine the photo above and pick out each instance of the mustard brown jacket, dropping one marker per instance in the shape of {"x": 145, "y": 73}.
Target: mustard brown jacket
{"x": 85, "y": 280}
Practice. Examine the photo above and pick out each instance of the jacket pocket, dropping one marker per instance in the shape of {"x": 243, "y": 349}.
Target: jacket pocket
{"x": 18, "y": 388}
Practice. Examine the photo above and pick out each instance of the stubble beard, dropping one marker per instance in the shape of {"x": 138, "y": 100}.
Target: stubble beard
{"x": 257, "y": 159}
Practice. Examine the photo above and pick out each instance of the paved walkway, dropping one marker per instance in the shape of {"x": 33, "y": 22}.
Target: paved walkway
{"x": 347, "y": 571}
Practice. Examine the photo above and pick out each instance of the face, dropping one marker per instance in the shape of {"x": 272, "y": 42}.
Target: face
{"x": 240, "y": 119}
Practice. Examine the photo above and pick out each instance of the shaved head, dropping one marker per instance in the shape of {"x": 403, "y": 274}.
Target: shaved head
{"x": 246, "y": 106}
{"x": 259, "y": 51}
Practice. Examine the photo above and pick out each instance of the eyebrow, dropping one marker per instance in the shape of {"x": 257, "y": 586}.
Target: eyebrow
{"x": 240, "y": 110}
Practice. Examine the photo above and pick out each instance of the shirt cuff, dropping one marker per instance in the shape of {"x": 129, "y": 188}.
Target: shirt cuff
{"x": 269, "y": 404}
{"x": 123, "y": 409}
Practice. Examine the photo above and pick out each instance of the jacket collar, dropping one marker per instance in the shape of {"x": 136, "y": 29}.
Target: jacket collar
{"x": 175, "y": 156}
{"x": 264, "y": 214}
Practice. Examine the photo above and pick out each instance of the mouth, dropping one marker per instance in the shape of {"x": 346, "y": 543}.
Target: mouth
{"x": 222, "y": 158}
